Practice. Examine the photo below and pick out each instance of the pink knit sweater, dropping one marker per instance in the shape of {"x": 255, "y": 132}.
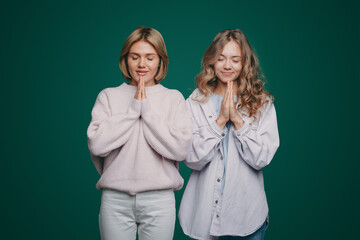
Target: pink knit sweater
{"x": 135, "y": 145}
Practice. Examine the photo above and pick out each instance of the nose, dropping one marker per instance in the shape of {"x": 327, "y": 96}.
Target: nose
{"x": 142, "y": 62}
{"x": 227, "y": 64}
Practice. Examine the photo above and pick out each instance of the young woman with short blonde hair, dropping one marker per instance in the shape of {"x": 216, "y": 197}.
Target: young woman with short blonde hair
{"x": 139, "y": 131}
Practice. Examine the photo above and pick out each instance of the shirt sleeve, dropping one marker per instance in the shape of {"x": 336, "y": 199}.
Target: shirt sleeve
{"x": 205, "y": 142}
{"x": 257, "y": 145}
{"x": 107, "y": 132}
{"x": 168, "y": 134}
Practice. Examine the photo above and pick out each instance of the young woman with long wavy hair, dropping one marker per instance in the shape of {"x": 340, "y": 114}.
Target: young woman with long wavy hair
{"x": 235, "y": 135}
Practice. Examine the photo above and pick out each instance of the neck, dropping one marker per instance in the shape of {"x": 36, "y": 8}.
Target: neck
{"x": 147, "y": 84}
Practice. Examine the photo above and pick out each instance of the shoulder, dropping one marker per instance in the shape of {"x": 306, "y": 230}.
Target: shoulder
{"x": 103, "y": 95}
{"x": 196, "y": 94}
{"x": 119, "y": 90}
{"x": 116, "y": 93}
{"x": 195, "y": 103}
{"x": 267, "y": 110}
{"x": 176, "y": 93}
{"x": 173, "y": 94}
{"x": 268, "y": 105}
{"x": 195, "y": 98}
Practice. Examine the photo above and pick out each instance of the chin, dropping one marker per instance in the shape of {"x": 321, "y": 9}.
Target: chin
{"x": 226, "y": 80}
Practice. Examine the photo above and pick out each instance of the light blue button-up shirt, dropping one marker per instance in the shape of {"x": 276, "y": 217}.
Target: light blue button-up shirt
{"x": 241, "y": 207}
{"x": 217, "y": 100}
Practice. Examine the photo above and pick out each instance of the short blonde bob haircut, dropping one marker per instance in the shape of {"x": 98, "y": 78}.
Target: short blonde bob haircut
{"x": 153, "y": 37}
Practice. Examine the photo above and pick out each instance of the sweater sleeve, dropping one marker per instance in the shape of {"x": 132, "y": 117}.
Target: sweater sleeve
{"x": 258, "y": 145}
{"x": 107, "y": 132}
{"x": 169, "y": 134}
{"x": 206, "y": 140}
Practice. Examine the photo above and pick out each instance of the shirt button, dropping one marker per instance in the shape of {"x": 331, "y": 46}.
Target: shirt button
{"x": 216, "y": 201}
{"x": 217, "y": 216}
{"x": 218, "y": 180}
{"x": 210, "y": 116}
{"x": 221, "y": 158}
{"x": 223, "y": 134}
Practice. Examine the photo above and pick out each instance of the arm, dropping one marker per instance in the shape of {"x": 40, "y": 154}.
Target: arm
{"x": 107, "y": 132}
{"x": 258, "y": 146}
{"x": 168, "y": 135}
{"x": 206, "y": 140}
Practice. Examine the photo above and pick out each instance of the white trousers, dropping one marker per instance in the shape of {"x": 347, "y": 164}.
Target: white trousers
{"x": 153, "y": 212}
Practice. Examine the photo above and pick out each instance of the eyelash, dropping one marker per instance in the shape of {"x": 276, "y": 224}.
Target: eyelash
{"x": 221, "y": 59}
{"x": 136, "y": 58}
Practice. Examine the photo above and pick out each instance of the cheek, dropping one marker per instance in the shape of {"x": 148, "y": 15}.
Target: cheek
{"x": 153, "y": 66}
{"x": 131, "y": 66}
{"x": 217, "y": 68}
{"x": 238, "y": 67}
{"x": 156, "y": 63}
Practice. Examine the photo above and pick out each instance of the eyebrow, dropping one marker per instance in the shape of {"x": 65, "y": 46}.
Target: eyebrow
{"x": 137, "y": 54}
{"x": 236, "y": 56}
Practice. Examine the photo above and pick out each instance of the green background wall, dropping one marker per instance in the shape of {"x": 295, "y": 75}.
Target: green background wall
{"x": 56, "y": 56}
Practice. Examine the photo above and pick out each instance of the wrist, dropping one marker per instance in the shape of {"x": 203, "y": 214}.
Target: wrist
{"x": 221, "y": 122}
{"x": 238, "y": 123}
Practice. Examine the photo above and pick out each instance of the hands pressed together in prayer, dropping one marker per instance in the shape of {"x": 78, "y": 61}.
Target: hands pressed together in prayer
{"x": 228, "y": 110}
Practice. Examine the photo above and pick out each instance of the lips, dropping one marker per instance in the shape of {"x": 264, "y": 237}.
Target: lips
{"x": 226, "y": 73}
{"x": 142, "y": 73}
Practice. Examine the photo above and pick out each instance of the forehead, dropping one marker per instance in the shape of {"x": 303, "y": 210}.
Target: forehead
{"x": 232, "y": 48}
{"x": 142, "y": 47}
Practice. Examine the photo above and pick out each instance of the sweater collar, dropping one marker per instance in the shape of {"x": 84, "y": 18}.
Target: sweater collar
{"x": 148, "y": 90}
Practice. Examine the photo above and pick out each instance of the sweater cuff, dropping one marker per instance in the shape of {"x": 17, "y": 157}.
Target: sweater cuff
{"x": 241, "y": 131}
{"x": 221, "y": 133}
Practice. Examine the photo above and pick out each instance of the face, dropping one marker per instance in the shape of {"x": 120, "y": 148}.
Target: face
{"x": 143, "y": 61}
{"x": 228, "y": 66}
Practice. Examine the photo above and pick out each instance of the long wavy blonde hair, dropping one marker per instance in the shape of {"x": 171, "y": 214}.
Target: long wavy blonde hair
{"x": 251, "y": 94}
